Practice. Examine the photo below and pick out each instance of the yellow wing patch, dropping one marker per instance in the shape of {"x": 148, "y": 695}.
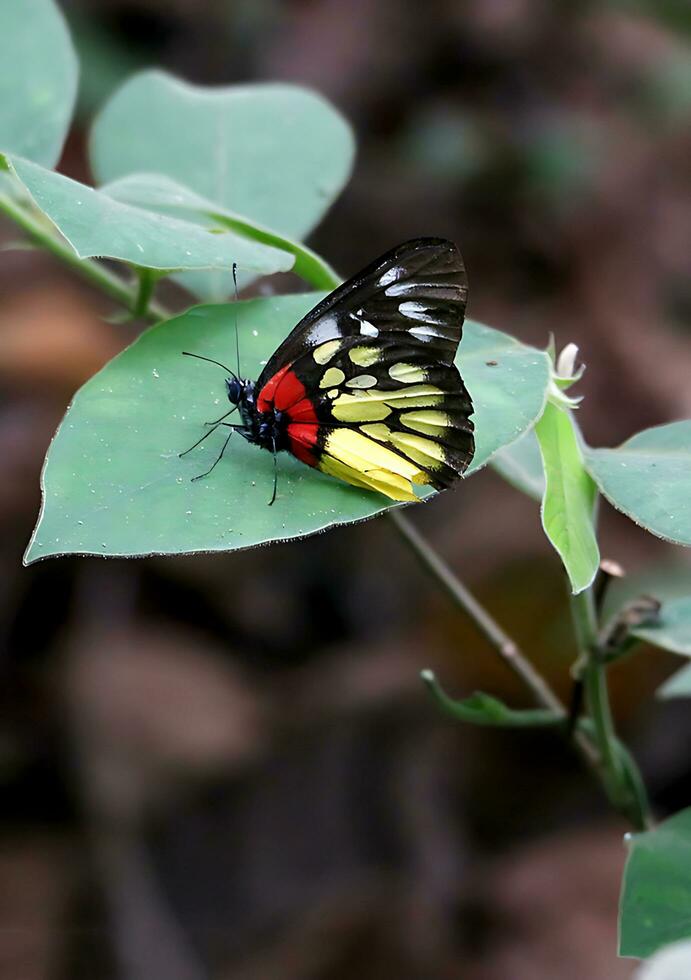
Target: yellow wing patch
{"x": 362, "y": 381}
{"x": 430, "y": 423}
{"x": 365, "y": 356}
{"x": 407, "y": 373}
{"x": 357, "y": 459}
{"x": 375, "y": 405}
{"x": 424, "y": 451}
{"x": 325, "y": 352}
{"x": 332, "y": 376}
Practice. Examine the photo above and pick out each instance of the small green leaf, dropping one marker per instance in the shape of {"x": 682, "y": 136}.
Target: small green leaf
{"x": 113, "y": 483}
{"x": 648, "y": 478}
{"x": 38, "y": 79}
{"x": 677, "y": 686}
{"x": 96, "y": 225}
{"x": 655, "y": 906}
{"x": 508, "y": 382}
{"x": 483, "y": 709}
{"x": 278, "y": 154}
{"x": 670, "y": 963}
{"x": 569, "y": 499}
{"x": 673, "y": 629}
{"x": 155, "y": 192}
{"x": 521, "y": 465}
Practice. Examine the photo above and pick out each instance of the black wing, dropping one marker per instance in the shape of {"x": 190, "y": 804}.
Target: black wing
{"x": 416, "y": 293}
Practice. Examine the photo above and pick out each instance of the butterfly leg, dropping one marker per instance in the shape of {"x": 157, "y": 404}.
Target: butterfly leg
{"x": 220, "y": 455}
{"x": 273, "y": 495}
{"x": 206, "y": 434}
{"x": 217, "y": 421}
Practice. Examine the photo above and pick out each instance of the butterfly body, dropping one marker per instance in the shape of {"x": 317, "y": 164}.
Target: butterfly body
{"x": 365, "y": 387}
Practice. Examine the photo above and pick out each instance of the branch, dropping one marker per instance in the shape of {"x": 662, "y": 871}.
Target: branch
{"x": 505, "y": 647}
{"x": 88, "y": 269}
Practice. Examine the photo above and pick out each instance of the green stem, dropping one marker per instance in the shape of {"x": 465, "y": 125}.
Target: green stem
{"x": 147, "y": 283}
{"x": 88, "y": 269}
{"x": 595, "y": 680}
{"x": 620, "y": 774}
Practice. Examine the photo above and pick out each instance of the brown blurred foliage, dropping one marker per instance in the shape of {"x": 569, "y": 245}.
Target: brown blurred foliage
{"x": 226, "y": 766}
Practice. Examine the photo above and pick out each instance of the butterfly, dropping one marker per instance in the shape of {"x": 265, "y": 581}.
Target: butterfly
{"x": 364, "y": 388}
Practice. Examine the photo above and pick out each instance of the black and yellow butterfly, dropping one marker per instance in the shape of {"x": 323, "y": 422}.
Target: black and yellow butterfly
{"x": 365, "y": 388}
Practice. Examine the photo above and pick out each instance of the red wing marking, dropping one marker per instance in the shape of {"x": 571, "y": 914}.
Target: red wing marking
{"x": 302, "y": 411}
{"x": 281, "y": 392}
{"x": 303, "y": 439}
{"x": 268, "y": 392}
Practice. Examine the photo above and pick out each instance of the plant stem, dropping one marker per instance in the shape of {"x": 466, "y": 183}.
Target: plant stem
{"x": 620, "y": 775}
{"x": 504, "y": 645}
{"x": 88, "y": 269}
{"x": 594, "y": 739}
{"x": 465, "y": 600}
{"x": 595, "y": 680}
{"x": 147, "y": 284}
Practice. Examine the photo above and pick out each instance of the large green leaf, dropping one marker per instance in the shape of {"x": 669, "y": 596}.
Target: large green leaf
{"x": 521, "y": 465}
{"x": 655, "y": 907}
{"x": 156, "y": 192}
{"x": 276, "y": 153}
{"x": 97, "y": 225}
{"x": 648, "y": 478}
{"x": 38, "y": 79}
{"x": 672, "y": 631}
{"x": 113, "y": 483}
{"x": 569, "y": 499}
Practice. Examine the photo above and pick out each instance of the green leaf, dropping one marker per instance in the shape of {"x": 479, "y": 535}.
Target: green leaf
{"x": 569, "y": 499}
{"x": 677, "y": 686}
{"x": 113, "y": 483}
{"x": 673, "y": 629}
{"x": 671, "y": 963}
{"x": 96, "y": 225}
{"x": 521, "y": 465}
{"x": 508, "y": 382}
{"x": 278, "y": 154}
{"x": 655, "y": 907}
{"x": 483, "y": 709}
{"x": 155, "y": 192}
{"x": 38, "y": 79}
{"x": 648, "y": 478}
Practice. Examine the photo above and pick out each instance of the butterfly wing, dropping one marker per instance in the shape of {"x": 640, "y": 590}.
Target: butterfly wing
{"x": 367, "y": 378}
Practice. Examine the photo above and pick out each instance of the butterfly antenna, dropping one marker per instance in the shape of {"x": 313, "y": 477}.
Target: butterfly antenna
{"x": 200, "y": 357}
{"x": 237, "y": 299}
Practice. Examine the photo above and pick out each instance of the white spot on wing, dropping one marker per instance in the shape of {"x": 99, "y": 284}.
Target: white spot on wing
{"x": 424, "y": 333}
{"x": 368, "y": 329}
{"x": 391, "y": 275}
{"x": 401, "y": 288}
{"x": 417, "y": 311}
{"x": 324, "y": 329}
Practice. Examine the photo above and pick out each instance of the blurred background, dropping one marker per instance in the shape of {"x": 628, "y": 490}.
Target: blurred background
{"x": 226, "y": 767}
